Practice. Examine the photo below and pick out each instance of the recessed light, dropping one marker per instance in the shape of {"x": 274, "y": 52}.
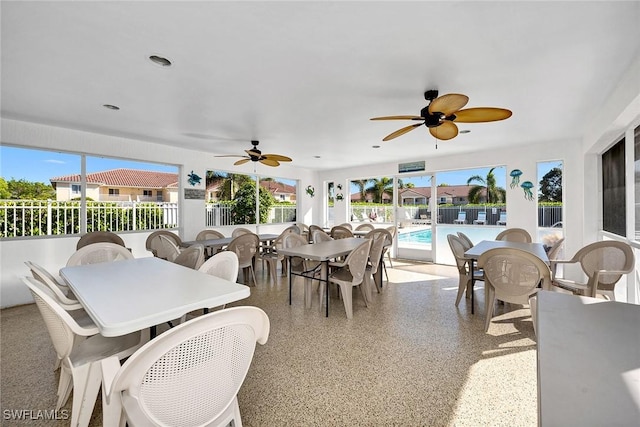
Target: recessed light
{"x": 316, "y": 157}
{"x": 111, "y": 107}
{"x": 465, "y": 131}
{"x": 160, "y": 61}
{"x": 375, "y": 146}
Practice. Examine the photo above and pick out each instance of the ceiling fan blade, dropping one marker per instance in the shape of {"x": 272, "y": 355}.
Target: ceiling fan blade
{"x": 482, "y": 114}
{"x": 241, "y": 162}
{"x": 398, "y": 118}
{"x": 448, "y": 104}
{"x": 269, "y": 162}
{"x": 277, "y": 157}
{"x": 447, "y": 130}
{"x": 401, "y": 132}
{"x": 230, "y": 155}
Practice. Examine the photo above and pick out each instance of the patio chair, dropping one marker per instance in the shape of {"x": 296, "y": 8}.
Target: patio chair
{"x": 513, "y": 276}
{"x": 380, "y": 237}
{"x": 468, "y": 244}
{"x": 482, "y": 218}
{"x": 191, "y": 257}
{"x": 341, "y": 232}
{"x": 271, "y": 255}
{"x": 208, "y": 235}
{"x": 458, "y": 249}
{"x": 167, "y": 250}
{"x": 514, "y": 235}
{"x": 386, "y": 250}
{"x": 246, "y": 247}
{"x": 187, "y": 376}
{"x": 346, "y": 225}
{"x": 224, "y": 265}
{"x": 240, "y": 231}
{"x": 312, "y": 229}
{"x": 503, "y": 219}
{"x": 350, "y": 273}
{"x": 462, "y": 218}
{"x": 99, "y": 252}
{"x": 80, "y": 366}
{"x": 153, "y": 242}
{"x": 99, "y": 236}
{"x": 365, "y": 227}
{"x": 312, "y": 269}
{"x": 603, "y": 263}
{"x": 320, "y": 236}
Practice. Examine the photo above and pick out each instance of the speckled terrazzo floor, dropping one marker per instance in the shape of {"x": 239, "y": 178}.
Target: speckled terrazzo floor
{"x": 411, "y": 359}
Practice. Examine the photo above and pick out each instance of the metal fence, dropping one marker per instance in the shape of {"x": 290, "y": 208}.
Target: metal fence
{"x": 19, "y": 218}
{"x": 217, "y": 214}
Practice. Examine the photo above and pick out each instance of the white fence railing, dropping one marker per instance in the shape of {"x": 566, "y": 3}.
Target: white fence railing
{"x": 217, "y": 215}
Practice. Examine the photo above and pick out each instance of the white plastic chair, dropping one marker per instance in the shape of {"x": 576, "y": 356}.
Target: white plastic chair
{"x": 462, "y": 218}
{"x": 386, "y": 251}
{"x": 458, "y": 248}
{"x": 466, "y": 241}
{"x": 246, "y": 247}
{"x": 154, "y": 244}
{"x": 351, "y": 273}
{"x": 167, "y": 249}
{"x": 224, "y": 265}
{"x": 482, "y": 218}
{"x": 514, "y": 235}
{"x": 379, "y": 237}
{"x": 188, "y": 376}
{"x": 271, "y": 255}
{"x": 240, "y": 231}
{"x": 365, "y": 227}
{"x": 603, "y": 263}
{"x": 320, "y": 236}
{"x": 503, "y": 219}
{"x": 80, "y": 368}
{"x": 96, "y": 253}
{"x": 341, "y": 232}
{"x": 207, "y": 235}
{"x": 191, "y": 257}
{"x": 99, "y": 236}
{"x": 513, "y": 276}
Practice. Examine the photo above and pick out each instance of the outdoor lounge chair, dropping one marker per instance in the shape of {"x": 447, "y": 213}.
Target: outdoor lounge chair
{"x": 503, "y": 219}
{"x": 482, "y": 218}
{"x": 462, "y": 218}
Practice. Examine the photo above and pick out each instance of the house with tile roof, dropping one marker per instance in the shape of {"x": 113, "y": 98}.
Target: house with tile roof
{"x": 447, "y": 194}
{"x": 118, "y": 185}
{"x": 280, "y": 191}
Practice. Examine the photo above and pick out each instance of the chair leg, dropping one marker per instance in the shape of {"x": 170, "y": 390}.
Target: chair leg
{"x": 489, "y": 303}
{"x": 64, "y": 387}
{"x": 92, "y": 386}
{"x": 462, "y": 285}
{"x": 347, "y": 297}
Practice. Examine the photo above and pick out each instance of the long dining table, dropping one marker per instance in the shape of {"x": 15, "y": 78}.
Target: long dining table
{"x": 224, "y": 241}
{"x": 323, "y": 252}
{"x": 474, "y": 253}
{"x": 131, "y": 295}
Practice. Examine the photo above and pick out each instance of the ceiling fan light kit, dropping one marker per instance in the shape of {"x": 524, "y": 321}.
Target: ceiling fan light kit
{"x": 255, "y": 155}
{"x": 441, "y": 113}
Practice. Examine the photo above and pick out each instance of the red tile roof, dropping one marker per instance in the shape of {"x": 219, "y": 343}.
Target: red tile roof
{"x": 126, "y": 178}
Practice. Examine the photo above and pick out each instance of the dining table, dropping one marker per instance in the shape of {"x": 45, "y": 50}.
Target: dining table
{"x": 131, "y": 295}
{"x": 224, "y": 241}
{"x": 322, "y": 252}
{"x": 474, "y": 253}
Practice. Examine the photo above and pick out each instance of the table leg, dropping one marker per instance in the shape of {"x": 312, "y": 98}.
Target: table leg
{"x": 289, "y": 280}
{"x": 471, "y": 265}
{"x": 325, "y": 279}
{"x": 152, "y": 332}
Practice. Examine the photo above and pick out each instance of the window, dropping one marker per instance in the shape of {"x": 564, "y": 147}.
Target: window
{"x": 614, "y": 216}
{"x": 371, "y": 200}
{"x": 231, "y": 199}
{"x": 636, "y": 144}
{"x": 147, "y": 193}
{"x": 550, "y": 203}
{"x": 283, "y": 201}
{"x": 42, "y": 194}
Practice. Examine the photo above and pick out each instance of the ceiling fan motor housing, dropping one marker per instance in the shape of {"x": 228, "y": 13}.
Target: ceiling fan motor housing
{"x": 431, "y": 120}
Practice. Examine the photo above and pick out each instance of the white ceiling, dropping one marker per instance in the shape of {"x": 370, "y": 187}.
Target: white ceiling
{"x": 305, "y": 77}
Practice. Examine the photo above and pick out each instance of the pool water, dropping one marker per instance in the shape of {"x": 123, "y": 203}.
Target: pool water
{"x": 419, "y": 236}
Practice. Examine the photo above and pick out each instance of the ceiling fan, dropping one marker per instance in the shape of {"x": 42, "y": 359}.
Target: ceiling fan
{"x": 256, "y": 155}
{"x": 441, "y": 113}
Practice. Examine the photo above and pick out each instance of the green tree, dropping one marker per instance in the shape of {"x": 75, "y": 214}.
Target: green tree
{"x": 380, "y": 187}
{"x": 23, "y": 189}
{"x": 4, "y": 189}
{"x": 229, "y": 184}
{"x": 551, "y": 186}
{"x": 494, "y": 193}
{"x": 361, "y": 184}
{"x": 244, "y": 211}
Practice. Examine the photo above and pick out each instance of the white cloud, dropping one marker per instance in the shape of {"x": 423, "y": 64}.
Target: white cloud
{"x": 60, "y": 162}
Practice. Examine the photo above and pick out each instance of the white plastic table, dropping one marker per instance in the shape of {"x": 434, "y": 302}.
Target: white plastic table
{"x": 323, "y": 252}
{"x": 588, "y": 361}
{"x": 131, "y": 295}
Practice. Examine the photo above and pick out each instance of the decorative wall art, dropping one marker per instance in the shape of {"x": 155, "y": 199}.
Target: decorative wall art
{"x": 339, "y": 196}
{"x": 310, "y": 191}
{"x": 339, "y": 186}
{"x": 194, "y": 179}
{"x": 527, "y": 186}
{"x": 515, "y": 177}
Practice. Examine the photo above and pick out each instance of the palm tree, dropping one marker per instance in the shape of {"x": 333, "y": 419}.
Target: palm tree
{"x": 494, "y": 193}
{"x": 230, "y": 183}
{"x": 380, "y": 187}
{"x": 361, "y": 184}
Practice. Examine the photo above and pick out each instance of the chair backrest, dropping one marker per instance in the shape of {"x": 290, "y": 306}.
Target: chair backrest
{"x": 346, "y": 225}
{"x": 482, "y": 216}
{"x": 320, "y": 236}
{"x": 61, "y": 326}
{"x": 292, "y": 229}
{"x": 462, "y": 216}
{"x": 191, "y": 257}
{"x": 304, "y": 228}
{"x": 514, "y": 235}
{"x": 503, "y": 218}
{"x": 166, "y": 249}
{"x": 153, "y": 242}
{"x": 465, "y": 240}
{"x": 514, "y": 273}
{"x": 341, "y": 232}
{"x": 192, "y": 373}
{"x": 43, "y": 276}
{"x": 357, "y": 260}
{"x": 96, "y": 253}
{"x": 240, "y": 231}
{"x": 245, "y": 247}
{"x": 393, "y": 230}
{"x": 99, "y": 236}
{"x": 365, "y": 226}
{"x": 555, "y": 249}
{"x": 458, "y": 248}
{"x": 293, "y": 241}
{"x": 209, "y": 234}
{"x": 380, "y": 238}
{"x": 605, "y": 255}
{"x": 223, "y": 264}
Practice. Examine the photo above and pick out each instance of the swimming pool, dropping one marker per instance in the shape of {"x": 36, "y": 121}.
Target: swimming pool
{"x": 419, "y": 236}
